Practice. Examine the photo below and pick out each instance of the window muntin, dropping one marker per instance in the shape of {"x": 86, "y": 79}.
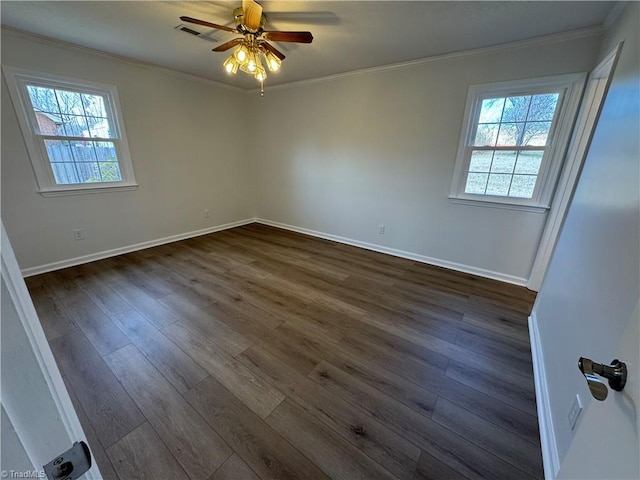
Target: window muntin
{"x": 73, "y": 132}
{"x": 513, "y": 138}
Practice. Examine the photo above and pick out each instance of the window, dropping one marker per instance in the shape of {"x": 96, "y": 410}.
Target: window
{"x": 513, "y": 141}
{"x": 74, "y": 133}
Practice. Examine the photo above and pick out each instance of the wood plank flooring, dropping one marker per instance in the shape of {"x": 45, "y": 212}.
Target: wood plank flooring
{"x": 257, "y": 353}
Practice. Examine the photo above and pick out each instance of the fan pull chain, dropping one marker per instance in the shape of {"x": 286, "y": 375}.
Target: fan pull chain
{"x": 262, "y": 88}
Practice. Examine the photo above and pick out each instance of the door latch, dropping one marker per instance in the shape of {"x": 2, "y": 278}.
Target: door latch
{"x": 71, "y": 464}
{"x": 616, "y": 373}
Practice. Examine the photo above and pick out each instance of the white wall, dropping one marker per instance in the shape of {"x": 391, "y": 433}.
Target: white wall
{"x": 593, "y": 282}
{"x": 343, "y": 156}
{"x": 186, "y": 147}
{"x": 338, "y": 157}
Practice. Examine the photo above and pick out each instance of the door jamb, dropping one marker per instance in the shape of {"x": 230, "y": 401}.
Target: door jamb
{"x": 576, "y": 154}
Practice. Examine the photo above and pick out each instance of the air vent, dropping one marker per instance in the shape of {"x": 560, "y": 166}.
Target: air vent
{"x": 182, "y": 27}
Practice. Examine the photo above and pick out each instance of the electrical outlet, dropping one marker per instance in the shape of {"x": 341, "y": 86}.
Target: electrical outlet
{"x": 206, "y": 213}
{"x": 574, "y": 411}
{"x": 78, "y": 234}
{"x": 381, "y": 229}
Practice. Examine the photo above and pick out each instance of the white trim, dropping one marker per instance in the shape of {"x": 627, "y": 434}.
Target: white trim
{"x": 550, "y": 458}
{"x": 481, "y": 272}
{"x": 531, "y": 42}
{"x": 486, "y": 202}
{"x": 614, "y": 14}
{"x": 61, "y": 192}
{"x": 49, "y": 267}
{"x": 585, "y": 126}
{"x": 34, "y": 332}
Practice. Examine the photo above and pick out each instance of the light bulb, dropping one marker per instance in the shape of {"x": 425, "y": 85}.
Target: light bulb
{"x": 273, "y": 62}
{"x": 241, "y": 53}
{"x": 231, "y": 65}
{"x": 252, "y": 65}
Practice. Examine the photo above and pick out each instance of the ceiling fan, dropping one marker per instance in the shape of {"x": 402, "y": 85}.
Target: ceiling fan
{"x": 250, "y": 22}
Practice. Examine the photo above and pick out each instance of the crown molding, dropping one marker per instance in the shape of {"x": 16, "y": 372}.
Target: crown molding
{"x": 530, "y": 42}
{"x": 16, "y": 32}
{"x": 614, "y": 14}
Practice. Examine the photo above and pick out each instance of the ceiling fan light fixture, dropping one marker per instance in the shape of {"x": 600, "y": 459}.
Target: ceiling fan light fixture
{"x": 261, "y": 74}
{"x": 252, "y": 48}
{"x": 231, "y": 65}
{"x": 252, "y": 62}
{"x": 241, "y": 53}
{"x": 273, "y": 62}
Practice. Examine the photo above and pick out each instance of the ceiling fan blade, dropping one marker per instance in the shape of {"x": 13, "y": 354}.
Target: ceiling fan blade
{"x": 226, "y": 46}
{"x": 273, "y": 50}
{"x": 252, "y": 13}
{"x": 297, "y": 37}
{"x": 207, "y": 24}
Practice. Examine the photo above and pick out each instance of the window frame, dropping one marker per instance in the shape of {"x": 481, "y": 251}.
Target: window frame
{"x": 570, "y": 88}
{"x": 17, "y": 80}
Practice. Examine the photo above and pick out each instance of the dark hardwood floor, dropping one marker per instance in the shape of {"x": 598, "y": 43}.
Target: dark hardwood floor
{"x": 260, "y": 353}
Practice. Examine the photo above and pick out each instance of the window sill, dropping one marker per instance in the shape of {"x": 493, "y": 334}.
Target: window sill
{"x": 498, "y": 204}
{"x": 61, "y": 192}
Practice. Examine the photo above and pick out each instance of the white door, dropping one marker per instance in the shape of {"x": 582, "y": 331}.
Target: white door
{"x": 588, "y": 302}
{"x": 38, "y": 418}
{"x": 616, "y": 419}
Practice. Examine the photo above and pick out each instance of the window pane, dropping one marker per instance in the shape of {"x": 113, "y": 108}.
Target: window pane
{"x": 108, "y": 161}
{"x": 516, "y": 108}
{"x": 491, "y": 110}
{"x": 110, "y": 172}
{"x": 65, "y": 173}
{"x": 69, "y": 102}
{"x": 481, "y": 161}
{"x": 522, "y": 186}
{"x": 529, "y": 162}
{"x": 498, "y": 184}
{"x": 476, "y": 183}
{"x": 94, "y": 105}
{"x": 43, "y": 99}
{"x": 543, "y": 107}
{"x": 58, "y": 151}
{"x": 509, "y": 134}
{"x": 536, "y": 133}
{"x": 99, "y": 127}
{"x": 504, "y": 161}
{"x": 486, "y": 135}
{"x": 89, "y": 172}
{"x": 75, "y": 126}
{"x": 105, "y": 151}
{"x": 83, "y": 151}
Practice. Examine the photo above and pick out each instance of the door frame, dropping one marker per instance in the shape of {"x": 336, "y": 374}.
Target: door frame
{"x": 594, "y": 96}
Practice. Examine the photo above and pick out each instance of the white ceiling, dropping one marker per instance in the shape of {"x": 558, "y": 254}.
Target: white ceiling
{"x": 348, "y": 35}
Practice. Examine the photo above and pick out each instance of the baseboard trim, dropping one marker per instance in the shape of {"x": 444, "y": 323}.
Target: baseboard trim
{"x": 49, "y": 267}
{"x": 550, "y": 458}
{"x": 400, "y": 253}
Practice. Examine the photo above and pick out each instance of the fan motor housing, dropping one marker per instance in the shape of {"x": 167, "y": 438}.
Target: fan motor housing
{"x": 238, "y": 15}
